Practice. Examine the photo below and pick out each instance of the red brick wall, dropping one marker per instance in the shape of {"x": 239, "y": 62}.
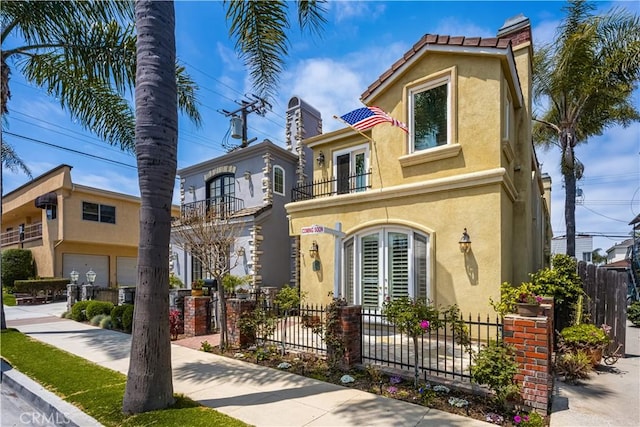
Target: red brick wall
{"x": 235, "y": 309}
{"x": 349, "y": 331}
{"x": 196, "y": 320}
{"x": 532, "y": 338}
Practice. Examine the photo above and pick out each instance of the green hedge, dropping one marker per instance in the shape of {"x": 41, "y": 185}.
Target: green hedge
{"x": 98, "y": 307}
{"x": 78, "y": 311}
{"x": 17, "y": 264}
{"x": 33, "y": 286}
{"x": 127, "y": 318}
{"x": 121, "y": 315}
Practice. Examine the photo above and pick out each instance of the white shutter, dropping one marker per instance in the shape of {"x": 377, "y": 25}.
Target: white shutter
{"x": 420, "y": 266}
{"x": 349, "y": 272}
{"x": 398, "y": 263}
{"x": 370, "y": 271}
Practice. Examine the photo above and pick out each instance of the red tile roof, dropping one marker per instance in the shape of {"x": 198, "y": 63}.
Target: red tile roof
{"x": 435, "y": 39}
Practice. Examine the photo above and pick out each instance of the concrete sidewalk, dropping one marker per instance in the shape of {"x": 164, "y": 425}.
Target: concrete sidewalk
{"x": 257, "y": 395}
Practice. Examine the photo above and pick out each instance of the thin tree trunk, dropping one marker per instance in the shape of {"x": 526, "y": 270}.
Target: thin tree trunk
{"x": 149, "y": 384}
{"x": 569, "y": 172}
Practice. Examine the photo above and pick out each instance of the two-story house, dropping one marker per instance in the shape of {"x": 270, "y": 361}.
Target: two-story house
{"x": 385, "y": 212}
{"x": 251, "y": 185}
{"x": 68, "y": 226}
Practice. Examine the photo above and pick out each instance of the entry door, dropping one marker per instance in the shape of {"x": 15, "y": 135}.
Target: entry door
{"x": 343, "y": 173}
{"x": 384, "y": 267}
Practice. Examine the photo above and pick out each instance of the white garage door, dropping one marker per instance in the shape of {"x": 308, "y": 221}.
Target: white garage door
{"x": 83, "y": 263}
{"x": 127, "y": 270}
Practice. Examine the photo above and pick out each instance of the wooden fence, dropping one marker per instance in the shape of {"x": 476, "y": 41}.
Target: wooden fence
{"x": 607, "y": 300}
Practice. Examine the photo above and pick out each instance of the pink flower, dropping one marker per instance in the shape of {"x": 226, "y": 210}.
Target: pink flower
{"x": 424, "y": 324}
{"x": 517, "y": 419}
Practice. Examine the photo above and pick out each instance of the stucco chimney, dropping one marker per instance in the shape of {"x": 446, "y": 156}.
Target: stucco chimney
{"x": 517, "y": 29}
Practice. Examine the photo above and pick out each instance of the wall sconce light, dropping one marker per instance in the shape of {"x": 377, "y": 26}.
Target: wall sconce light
{"x": 192, "y": 189}
{"x": 320, "y": 159}
{"x": 465, "y": 242}
{"x": 247, "y": 175}
{"x": 313, "y": 251}
{"x": 241, "y": 251}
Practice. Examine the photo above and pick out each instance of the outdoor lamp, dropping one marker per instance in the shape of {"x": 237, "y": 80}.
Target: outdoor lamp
{"x": 465, "y": 242}
{"x": 320, "y": 159}
{"x": 313, "y": 252}
{"x": 91, "y": 277}
{"x": 74, "y": 276}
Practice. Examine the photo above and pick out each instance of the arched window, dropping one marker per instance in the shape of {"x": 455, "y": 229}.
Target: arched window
{"x": 221, "y": 191}
{"x": 385, "y": 262}
{"x": 278, "y": 180}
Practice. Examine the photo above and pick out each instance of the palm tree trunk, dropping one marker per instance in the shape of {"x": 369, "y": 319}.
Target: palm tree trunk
{"x": 149, "y": 385}
{"x": 569, "y": 172}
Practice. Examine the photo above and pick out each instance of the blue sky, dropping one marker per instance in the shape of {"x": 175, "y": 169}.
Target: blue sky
{"x": 359, "y": 42}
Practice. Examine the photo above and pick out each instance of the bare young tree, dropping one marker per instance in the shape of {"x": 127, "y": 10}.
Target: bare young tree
{"x": 209, "y": 234}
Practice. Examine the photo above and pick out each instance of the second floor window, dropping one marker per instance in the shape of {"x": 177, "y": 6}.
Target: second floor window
{"x": 429, "y": 106}
{"x": 221, "y": 187}
{"x": 99, "y": 213}
{"x": 351, "y": 168}
{"x": 278, "y": 180}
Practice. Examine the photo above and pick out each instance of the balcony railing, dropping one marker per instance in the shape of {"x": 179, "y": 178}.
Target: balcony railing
{"x": 215, "y": 207}
{"x": 30, "y": 232}
{"x": 331, "y": 186}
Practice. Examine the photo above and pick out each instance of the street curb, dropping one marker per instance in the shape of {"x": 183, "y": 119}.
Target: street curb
{"x": 52, "y": 407}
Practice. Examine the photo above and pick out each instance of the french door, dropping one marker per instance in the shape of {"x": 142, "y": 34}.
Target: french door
{"x": 385, "y": 263}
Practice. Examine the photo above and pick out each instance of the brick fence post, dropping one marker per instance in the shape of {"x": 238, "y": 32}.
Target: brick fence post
{"x": 196, "y": 316}
{"x": 532, "y": 339}
{"x": 348, "y": 330}
{"x": 235, "y": 309}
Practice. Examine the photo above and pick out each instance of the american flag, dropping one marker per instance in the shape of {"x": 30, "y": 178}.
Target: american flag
{"x": 367, "y": 117}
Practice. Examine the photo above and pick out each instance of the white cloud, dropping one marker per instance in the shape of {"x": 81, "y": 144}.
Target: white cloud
{"x": 125, "y": 183}
{"x": 346, "y": 10}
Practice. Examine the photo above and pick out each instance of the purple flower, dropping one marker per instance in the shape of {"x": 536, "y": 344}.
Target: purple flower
{"x": 517, "y": 419}
{"x": 392, "y": 389}
{"x": 424, "y": 324}
{"x": 395, "y": 380}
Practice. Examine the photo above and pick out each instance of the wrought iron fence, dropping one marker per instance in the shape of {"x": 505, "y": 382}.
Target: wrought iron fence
{"x": 214, "y": 207}
{"x": 330, "y": 186}
{"x": 300, "y": 328}
{"x": 441, "y": 352}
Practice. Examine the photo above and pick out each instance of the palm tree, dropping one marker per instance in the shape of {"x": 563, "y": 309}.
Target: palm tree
{"x": 586, "y": 79}
{"x": 83, "y": 54}
{"x": 259, "y": 27}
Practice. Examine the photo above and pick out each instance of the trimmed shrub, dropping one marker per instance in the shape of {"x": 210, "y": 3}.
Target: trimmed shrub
{"x": 127, "y": 318}
{"x": 95, "y": 308}
{"x": 116, "y": 316}
{"x": 633, "y": 313}
{"x": 33, "y": 286}
{"x": 106, "y": 323}
{"x": 95, "y": 320}
{"x": 17, "y": 264}
{"x": 78, "y": 311}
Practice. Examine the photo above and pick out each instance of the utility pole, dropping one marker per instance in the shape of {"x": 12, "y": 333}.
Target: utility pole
{"x": 253, "y": 104}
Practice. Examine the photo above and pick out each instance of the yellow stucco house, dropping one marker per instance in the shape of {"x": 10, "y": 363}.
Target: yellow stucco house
{"x": 74, "y": 227}
{"x": 385, "y": 212}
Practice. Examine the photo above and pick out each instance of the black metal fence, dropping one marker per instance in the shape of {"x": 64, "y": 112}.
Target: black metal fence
{"x": 300, "y": 328}
{"x": 214, "y": 207}
{"x": 331, "y": 186}
{"x": 442, "y": 352}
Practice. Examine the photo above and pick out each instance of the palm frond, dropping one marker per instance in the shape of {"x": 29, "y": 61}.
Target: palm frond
{"x": 259, "y": 30}
{"x": 11, "y": 160}
{"x": 93, "y": 103}
{"x": 311, "y": 15}
{"x": 187, "y": 99}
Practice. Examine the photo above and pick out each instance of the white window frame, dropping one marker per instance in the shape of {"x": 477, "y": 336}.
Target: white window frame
{"x": 279, "y": 168}
{"x": 353, "y": 151}
{"x": 431, "y": 84}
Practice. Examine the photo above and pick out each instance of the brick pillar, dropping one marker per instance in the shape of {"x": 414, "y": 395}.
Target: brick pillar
{"x": 196, "y": 319}
{"x": 532, "y": 338}
{"x": 348, "y": 330}
{"x": 235, "y": 309}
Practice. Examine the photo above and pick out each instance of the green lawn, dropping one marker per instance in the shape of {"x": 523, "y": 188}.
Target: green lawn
{"x": 8, "y": 299}
{"x": 96, "y": 390}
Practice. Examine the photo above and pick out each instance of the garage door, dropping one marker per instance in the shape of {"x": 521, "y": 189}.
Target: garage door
{"x": 127, "y": 270}
{"x": 83, "y": 263}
